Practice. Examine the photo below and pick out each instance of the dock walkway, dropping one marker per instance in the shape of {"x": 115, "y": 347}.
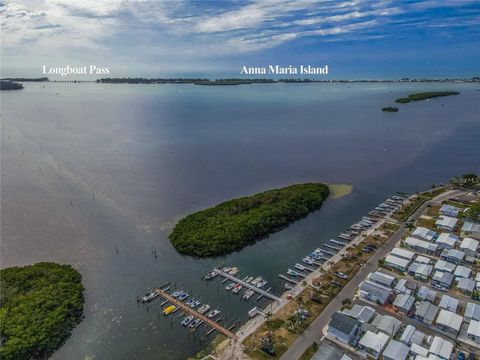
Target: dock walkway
{"x": 190, "y": 311}
{"x": 249, "y": 286}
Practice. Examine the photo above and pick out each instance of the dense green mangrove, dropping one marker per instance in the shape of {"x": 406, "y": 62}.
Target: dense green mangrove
{"x": 425, "y": 95}
{"x": 233, "y": 224}
{"x": 39, "y": 306}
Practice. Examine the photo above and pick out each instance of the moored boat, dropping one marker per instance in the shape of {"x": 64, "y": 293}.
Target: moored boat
{"x": 187, "y": 320}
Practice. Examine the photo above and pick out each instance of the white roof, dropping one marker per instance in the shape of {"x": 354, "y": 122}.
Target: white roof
{"x": 469, "y": 244}
{"x": 381, "y": 278}
{"x": 447, "y": 239}
{"x": 446, "y": 222}
{"x": 449, "y": 209}
{"x": 387, "y": 324}
{"x": 449, "y": 303}
{"x": 472, "y": 311}
{"x": 422, "y": 244}
{"x": 421, "y": 269}
{"x": 462, "y": 271}
{"x": 423, "y": 259}
{"x": 441, "y": 347}
{"x": 443, "y": 265}
{"x": 346, "y": 357}
{"x": 469, "y": 226}
{"x": 395, "y": 260}
{"x": 418, "y": 350}
{"x": 359, "y": 312}
{"x": 424, "y": 233}
{"x": 449, "y": 319}
{"x": 453, "y": 253}
{"x": 407, "y": 334}
{"x": 466, "y": 284}
{"x": 474, "y": 328}
{"x": 404, "y": 301}
{"x": 402, "y": 253}
{"x": 396, "y": 350}
{"x": 373, "y": 341}
{"x": 477, "y": 277}
{"x": 425, "y": 293}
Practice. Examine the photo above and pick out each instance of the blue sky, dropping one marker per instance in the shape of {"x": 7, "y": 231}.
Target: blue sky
{"x": 357, "y": 39}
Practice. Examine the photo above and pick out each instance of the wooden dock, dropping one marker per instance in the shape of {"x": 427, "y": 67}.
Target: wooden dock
{"x": 248, "y": 286}
{"x": 187, "y": 309}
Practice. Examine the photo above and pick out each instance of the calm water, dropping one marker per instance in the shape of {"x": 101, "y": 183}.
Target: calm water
{"x": 153, "y": 153}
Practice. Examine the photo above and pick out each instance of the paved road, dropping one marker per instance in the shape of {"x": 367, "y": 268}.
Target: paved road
{"x": 314, "y": 332}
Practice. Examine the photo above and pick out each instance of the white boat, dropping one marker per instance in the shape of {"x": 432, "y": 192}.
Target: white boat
{"x": 261, "y": 283}
{"x": 233, "y": 271}
{"x": 195, "y": 323}
{"x": 196, "y": 303}
{"x": 256, "y": 280}
{"x": 213, "y": 313}
{"x": 300, "y": 267}
{"x": 236, "y": 289}
{"x": 249, "y": 279}
{"x": 308, "y": 261}
{"x": 248, "y": 294}
{"x": 149, "y": 297}
{"x": 187, "y": 320}
{"x": 204, "y": 308}
{"x": 210, "y": 275}
{"x": 226, "y": 269}
{"x": 230, "y": 286}
{"x": 176, "y": 294}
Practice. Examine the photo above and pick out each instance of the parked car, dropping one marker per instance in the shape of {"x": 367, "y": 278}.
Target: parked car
{"x": 341, "y": 275}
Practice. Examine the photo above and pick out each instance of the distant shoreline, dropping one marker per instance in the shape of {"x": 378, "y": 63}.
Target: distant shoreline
{"x": 236, "y": 81}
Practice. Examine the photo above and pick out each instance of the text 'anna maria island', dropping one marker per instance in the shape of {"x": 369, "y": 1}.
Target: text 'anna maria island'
{"x": 233, "y": 224}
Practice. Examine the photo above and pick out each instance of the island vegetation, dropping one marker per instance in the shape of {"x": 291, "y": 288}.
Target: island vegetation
{"x": 233, "y": 224}
{"x": 390, "y": 109}
{"x": 9, "y": 85}
{"x": 39, "y": 306}
{"x": 424, "y": 96}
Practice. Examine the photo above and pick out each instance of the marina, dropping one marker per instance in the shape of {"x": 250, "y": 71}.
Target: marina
{"x": 199, "y": 318}
{"x": 248, "y": 285}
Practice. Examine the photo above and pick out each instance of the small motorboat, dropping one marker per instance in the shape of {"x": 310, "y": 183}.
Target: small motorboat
{"x": 261, "y": 283}
{"x": 149, "y": 297}
{"x": 187, "y": 320}
{"x": 248, "y": 294}
{"x": 195, "y": 323}
{"x": 236, "y": 289}
{"x": 182, "y": 296}
{"x": 230, "y": 286}
{"x": 249, "y": 279}
{"x": 169, "y": 309}
{"x": 210, "y": 275}
{"x": 176, "y": 294}
{"x": 233, "y": 271}
{"x": 204, "y": 308}
{"x": 196, "y": 303}
{"x": 213, "y": 313}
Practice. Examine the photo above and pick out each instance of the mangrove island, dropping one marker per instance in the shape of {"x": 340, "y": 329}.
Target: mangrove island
{"x": 39, "y": 306}
{"x": 233, "y": 224}
{"x": 390, "y": 109}
{"x": 424, "y": 96}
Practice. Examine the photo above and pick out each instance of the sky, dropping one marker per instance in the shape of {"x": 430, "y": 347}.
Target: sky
{"x": 356, "y": 39}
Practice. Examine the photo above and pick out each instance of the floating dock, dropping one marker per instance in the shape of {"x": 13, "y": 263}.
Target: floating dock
{"x": 187, "y": 309}
{"x": 332, "y": 247}
{"x": 338, "y": 242}
{"x": 248, "y": 286}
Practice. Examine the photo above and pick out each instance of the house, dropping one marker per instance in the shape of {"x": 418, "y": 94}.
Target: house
{"x": 423, "y": 260}
{"x": 421, "y": 245}
{"x": 449, "y": 321}
{"x": 342, "y": 327}
{"x": 471, "y": 229}
{"x": 372, "y": 343}
{"x": 403, "y": 303}
{"x": 473, "y": 331}
{"x": 454, "y": 256}
{"x": 395, "y": 350}
{"x": 423, "y": 233}
{"x": 466, "y": 286}
{"x": 446, "y": 223}
{"x": 420, "y": 271}
{"x": 426, "y": 312}
{"x": 469, "y": 246}
{"x": 402, "y": 253}
{"x": 442, "y": 280}
{"x": 462, "y": 272}
{"x": 441, "y": 348}
{"x": 472, "y": 312}
{"x": 418, "y": 351}
{"x": 388, "y": 324}
{"x": 442, "y": 265}
{"x": 447, "y": 240}
{"x": 361, "y": 313}
{"x": 425, "y": 293}
{"x": 396, "y": 263}
{"x": 449, "y": 303}
{"x": 407, "y": 334}
{"x": 405, "y": 286}
{"x": 449, "y": 210}
{"x": 382, "y": 279}
{"x": 374, "y": 292}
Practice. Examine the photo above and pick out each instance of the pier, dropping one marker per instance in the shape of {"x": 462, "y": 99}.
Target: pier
{"x": 248, "y": 286}
{"x": 187, "y": 309}
{"x": 338, "y": 242}
{"x": 281, "y": 276}
{"x": 332, "y": 247}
